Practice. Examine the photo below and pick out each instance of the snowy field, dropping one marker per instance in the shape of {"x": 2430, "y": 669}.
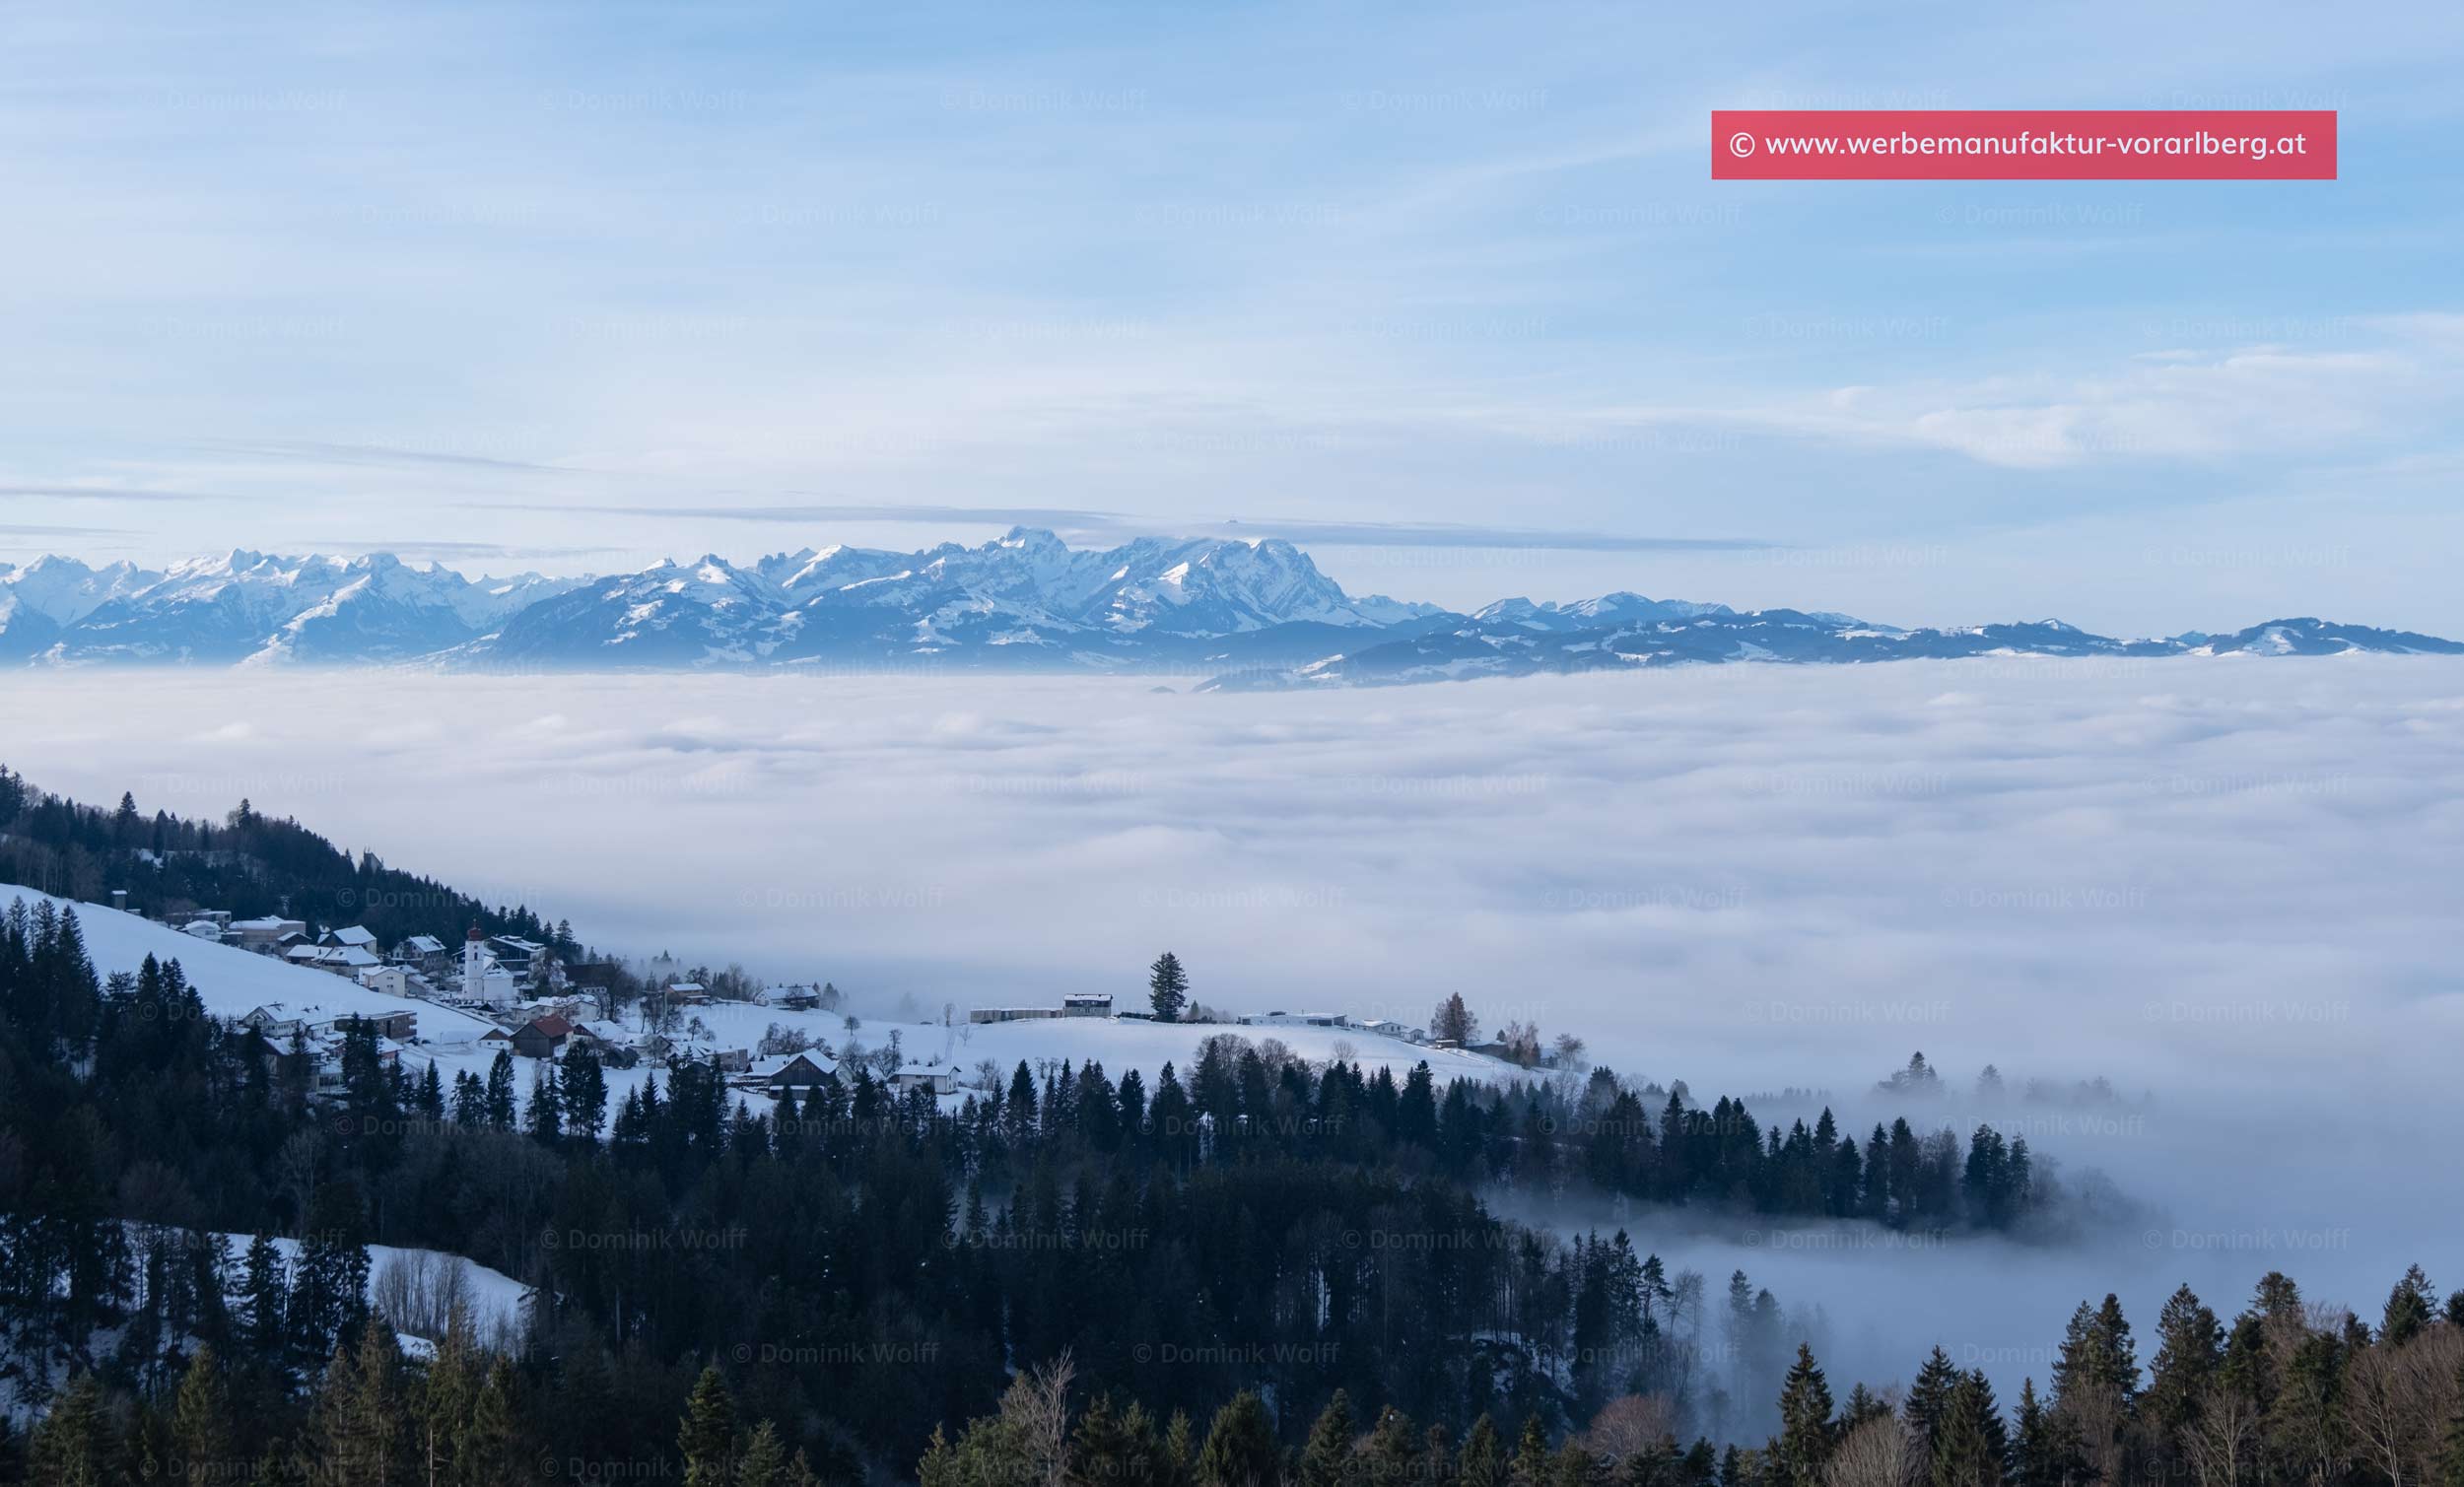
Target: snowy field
{"x": 232, "y": 983}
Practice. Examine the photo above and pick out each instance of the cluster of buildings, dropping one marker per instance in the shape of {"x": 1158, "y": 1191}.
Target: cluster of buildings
{"x": 1376, "y": 1027}
{"x": 280, "y": 1030}
{"x": 484, "y": 972}
{"x": 1077, "y": 1004}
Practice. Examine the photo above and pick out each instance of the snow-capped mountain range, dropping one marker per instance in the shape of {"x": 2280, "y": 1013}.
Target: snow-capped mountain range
{"x": 1239, "y": 614}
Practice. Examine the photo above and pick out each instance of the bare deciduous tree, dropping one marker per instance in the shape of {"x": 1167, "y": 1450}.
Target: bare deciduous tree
{"x": 1881, "y": 1452}
{"x": 1631, "y": 1425}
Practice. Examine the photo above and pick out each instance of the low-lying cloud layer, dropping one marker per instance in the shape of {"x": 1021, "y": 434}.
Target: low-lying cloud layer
{"x": 2230, "y": 887}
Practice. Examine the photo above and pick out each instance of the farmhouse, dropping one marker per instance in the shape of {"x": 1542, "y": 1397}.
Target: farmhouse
{"x": 542, "y": 1037}
{"x": 937, "y": 1075}
{"x": 796, "y": 1071}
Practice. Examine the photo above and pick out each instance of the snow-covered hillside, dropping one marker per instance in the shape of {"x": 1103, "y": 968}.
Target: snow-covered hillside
{"x": 232, "y": 983}
{"x": 1118, "y": 1045}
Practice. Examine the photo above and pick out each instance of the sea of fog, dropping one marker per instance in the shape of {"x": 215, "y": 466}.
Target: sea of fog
{"x": 2228, "y": 887}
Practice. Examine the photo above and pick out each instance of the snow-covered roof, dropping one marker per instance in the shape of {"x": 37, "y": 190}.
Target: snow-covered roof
{"x": 354, "y": 934}
{"x": 423, "y": 944}
{"x": 204, "y": 929}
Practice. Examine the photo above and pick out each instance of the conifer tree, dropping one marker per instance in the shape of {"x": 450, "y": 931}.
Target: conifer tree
{"x": 1167, "y": 987}
{"x": 1390, "y": 1455}
{"x": 73, "y": 1446}
{"x": 267, "y": 1292}
{"x": 451, "y": 1388}
{"x": 485, "y": 1454}
{"x": 2189, "y": 1345}
{"x": 707, "y": 1434}
{"x": 1477, "y": 1462}
{"x": 201, "y": 1437}
{"x": 765, "y": 1460}
{"x": 2410, "y": 1308}
{"x": 1806, "y": 1431}
{"x": 1240, "y": 1449}
{"x": 1929, "y": 1398}
{"x": 500, "y": 1100}
{"x": 544, "y": 1112}
{"x": 1326, "y": 1459}
{"x": 1969, "y": 1443}
{"x": 1530, "y": 1466}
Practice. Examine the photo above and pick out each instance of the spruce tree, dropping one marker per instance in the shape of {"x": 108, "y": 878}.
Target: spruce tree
{"x": 765, "y": 1460}
{"x": 500, "y": 1096}
{"x": 1971, "y": 1442}
{"x": 706, "y": 1435}
{"x": 1167, "y": 987}
{"x": 1530, "y": 1466}
{"x": 1326, "y": 1459}
{"x": 1477, "y": 1462}
{"x": 267, "y": 1293}
{"x": 1240, "y": 1449}
{"x": 1929, "y": 1398}
{"x": 201, "y": 1438}
{"x": 2410, "y": 1308}
{"x": 1806, "y": 1438}
{"x": 1390, "y": 1455}
{"x": 73, "y": 1446}
{"x": 485, "y": 1454}
{"x": 2189, "y": 1345}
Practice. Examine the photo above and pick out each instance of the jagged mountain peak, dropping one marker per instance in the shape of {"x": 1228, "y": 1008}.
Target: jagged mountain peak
{"x": 1257, "y": 608}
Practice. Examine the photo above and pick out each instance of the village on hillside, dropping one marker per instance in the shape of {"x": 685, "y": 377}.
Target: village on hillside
{"x": 503, "y": 992}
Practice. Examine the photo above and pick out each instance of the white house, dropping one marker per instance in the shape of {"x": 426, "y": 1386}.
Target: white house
{"x": 394, "y": 981}
{"x": 935, "y": 1074}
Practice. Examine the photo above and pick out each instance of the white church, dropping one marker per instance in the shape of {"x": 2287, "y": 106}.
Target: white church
{"x": 485, "y": 983}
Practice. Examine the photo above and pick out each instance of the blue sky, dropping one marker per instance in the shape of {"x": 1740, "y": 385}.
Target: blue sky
{"x": 1441, "y": 290}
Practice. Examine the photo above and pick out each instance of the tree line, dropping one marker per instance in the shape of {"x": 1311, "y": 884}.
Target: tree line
{"x": 864, "y": 1266}
{"x": 2286, "y": 1394}
{"x": 254, "y": 864}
